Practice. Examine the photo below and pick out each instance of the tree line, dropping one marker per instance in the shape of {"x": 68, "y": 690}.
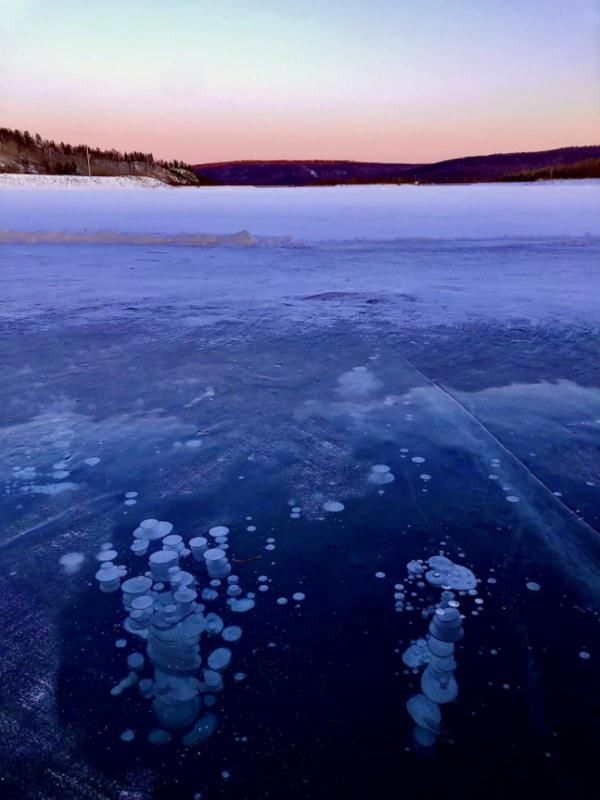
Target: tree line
{"x": 27, "y": 141}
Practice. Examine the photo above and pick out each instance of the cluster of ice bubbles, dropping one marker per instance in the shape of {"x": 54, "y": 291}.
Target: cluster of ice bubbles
{"x": 380, "y": 474}
{"x": 435, "y": 652}
{"x": 164, "y": 611}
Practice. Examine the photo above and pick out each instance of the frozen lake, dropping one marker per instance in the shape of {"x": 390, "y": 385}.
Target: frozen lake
{"x": 371, "y": 213}
{"x": 412, "y": 372}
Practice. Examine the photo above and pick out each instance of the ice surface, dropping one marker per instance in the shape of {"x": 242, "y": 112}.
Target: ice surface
{"x": 365, "y": 213}
{"x": 477, "y": 356}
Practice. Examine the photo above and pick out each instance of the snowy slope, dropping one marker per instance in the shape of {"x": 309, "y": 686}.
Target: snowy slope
{"x": 14, "y": 180}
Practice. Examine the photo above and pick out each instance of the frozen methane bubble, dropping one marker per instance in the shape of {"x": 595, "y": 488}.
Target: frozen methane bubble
{"x": 153, "y": 529}
{"x": 173, "y": 542}
{"x": 417, "y": 654}
{"x": 139, "y": 547}
{"x": 149, "y": 529}
{"x": 241, "y": 605}
{"x": 201, "y": 731}
{"x": 298, "y": 596}
{"x": 333, "y": 506}
{"x": 106, "y": 555}
{"x": 533, "y": 586}
{"x": 438, "y": 648}
{"x": 164, "y": 614}
{"x": 423, "y": 737}
{"x": 164, "y": 529}
{"x": 109, "y": 577}
{"x": 231, "y": 633}
{"x": 142, "y": 603}
{"x": 198, "y": 547}
{"x": 446, "y": 625}
{"x": 425, "y": 713}
{"x": 135, "y": 587}
{"x": 380, "y": 474}
{"x": 219, "y": 659}
{"x": 436, "y": 652}
{"x": 218, "y": 531}
{"x": 135, "y": 661}
{"x": 128, "y": 735}
{"x": 160, "y": 563}
{"x": 159, "y": 737}
{"x": 439, "y": 686}
{"x": 216, "y": 563}
{"x": 446, "y": 573}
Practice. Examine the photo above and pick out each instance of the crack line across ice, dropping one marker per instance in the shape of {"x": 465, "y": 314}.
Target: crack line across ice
{"x": 557, "y": 501}
{"x": 551, "y": 496}
{"x": 51, "y": 520}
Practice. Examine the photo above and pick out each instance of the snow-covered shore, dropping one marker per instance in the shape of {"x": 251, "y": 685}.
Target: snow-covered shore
{"x": 14, "y": 180}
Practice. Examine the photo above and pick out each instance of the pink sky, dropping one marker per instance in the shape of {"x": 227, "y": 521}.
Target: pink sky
{"x": 388, "y": 82}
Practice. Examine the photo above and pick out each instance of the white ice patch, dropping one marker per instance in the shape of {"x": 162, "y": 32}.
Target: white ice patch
{"x": 50, "y": 488}
{"x": 71, "y": 562}
{"x": 358, "y": 383}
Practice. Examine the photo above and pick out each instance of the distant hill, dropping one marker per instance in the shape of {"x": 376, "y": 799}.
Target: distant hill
{"x": 297, "y": 173}
{"x": 23, "y": 152}
{"x": 561, "y": 163}
{"x": 588, "y": 168}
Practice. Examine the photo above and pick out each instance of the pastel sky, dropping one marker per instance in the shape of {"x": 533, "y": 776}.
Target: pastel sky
{"x": 388, "y": 80}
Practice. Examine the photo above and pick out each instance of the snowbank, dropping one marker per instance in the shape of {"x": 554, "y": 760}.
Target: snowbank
{"x": 26, "y": 181}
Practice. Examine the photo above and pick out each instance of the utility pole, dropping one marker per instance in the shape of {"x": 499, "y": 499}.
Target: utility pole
{"x": 87, "y": 152}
